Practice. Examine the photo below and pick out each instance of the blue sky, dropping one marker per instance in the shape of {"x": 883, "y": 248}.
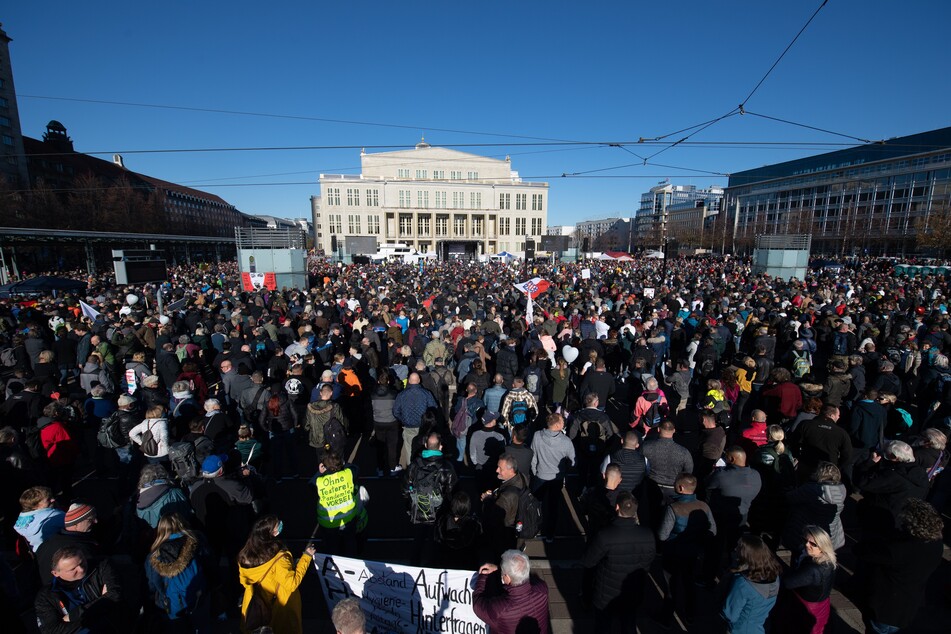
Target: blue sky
{"x": 600, "y": 71}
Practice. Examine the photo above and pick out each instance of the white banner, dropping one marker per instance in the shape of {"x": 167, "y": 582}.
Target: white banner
{"x": 586, "y": 274}
{"x": 399, "y": 598}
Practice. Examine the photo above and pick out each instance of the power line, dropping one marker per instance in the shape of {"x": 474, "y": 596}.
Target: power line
{"x": 810, "y": 127}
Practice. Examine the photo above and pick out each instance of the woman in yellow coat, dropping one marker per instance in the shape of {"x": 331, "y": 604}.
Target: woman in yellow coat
{"x": 265, "y": 565}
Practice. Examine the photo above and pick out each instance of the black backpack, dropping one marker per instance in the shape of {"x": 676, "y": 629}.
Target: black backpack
{"x": 528, "y": 518}
{"x": 181, "y": 456}
{"x": 425, "y": 494}
{"x": 656, "y": 413}
{"x": 34, "y": 443}
{"x": 149, "y": 443}
{"x": 335, "y": 436}
{"x": 110, "y": 433}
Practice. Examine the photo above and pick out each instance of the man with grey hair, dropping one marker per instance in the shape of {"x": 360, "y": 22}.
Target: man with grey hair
{"x": 348, "y": 618}
{"x": 886, "y": 483}
{"x": 218, "y": 425}
{"x": 522, "y": 605}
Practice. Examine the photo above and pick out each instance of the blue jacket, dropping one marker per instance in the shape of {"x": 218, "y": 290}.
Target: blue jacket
{"x": 175, "y": 576}
{"x": 411, "y": 404}
{"x": 748, "y": 605}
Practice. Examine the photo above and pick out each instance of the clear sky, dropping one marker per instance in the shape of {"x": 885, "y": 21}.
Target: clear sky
{"x": 506, "y": 73}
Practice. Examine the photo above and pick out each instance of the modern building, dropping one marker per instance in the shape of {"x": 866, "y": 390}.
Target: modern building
{"x": 876, "y": 198}
{"x": 594, "y": 229}
{"x": 693, "y": 225}
{"x": 12, "y": 163}
{"x": 72, "y": 190}
{"x": 432, "y": 199}
{"x": 653, "y": 215}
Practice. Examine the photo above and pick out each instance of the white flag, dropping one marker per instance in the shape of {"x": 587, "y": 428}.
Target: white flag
{"x": 88, "y": 311}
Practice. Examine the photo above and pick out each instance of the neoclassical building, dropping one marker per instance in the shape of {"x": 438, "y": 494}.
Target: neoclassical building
{"x": 432, "y": 199}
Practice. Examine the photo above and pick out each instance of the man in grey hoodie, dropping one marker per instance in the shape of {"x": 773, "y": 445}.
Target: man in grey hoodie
{"x": 554, "y": 455}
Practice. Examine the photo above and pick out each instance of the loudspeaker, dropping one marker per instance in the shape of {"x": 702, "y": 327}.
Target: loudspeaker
{"x": 586, "y": 244}
{"x": 529, "y": 249}
{"x": 333, "y": 244}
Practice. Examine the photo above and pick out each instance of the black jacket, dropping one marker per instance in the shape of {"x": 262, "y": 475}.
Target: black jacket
{"x": 633, "y": 468}
{"x": 44, "y": 554}
{"x": 887, "y": 486}
{"x": 99, "y": 613}
{"x": 622, "y": 553}
{"x": 506, "y": 364}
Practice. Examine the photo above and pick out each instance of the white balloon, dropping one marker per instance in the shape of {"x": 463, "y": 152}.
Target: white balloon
{"x": 163, "y": 319}
{"x": 570, "y": 353}
{"x": 125, "y": 310}
{"x": 131, "y": 299}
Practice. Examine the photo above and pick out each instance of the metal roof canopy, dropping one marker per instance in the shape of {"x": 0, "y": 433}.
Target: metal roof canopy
{"x": 28, "y": 234}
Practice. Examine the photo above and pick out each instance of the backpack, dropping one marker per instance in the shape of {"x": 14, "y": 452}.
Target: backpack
{"x": 149, "y": 445}
{"x": 335, "y": 436}
{"x": 533, "y": 380}
{"x": 706, "y": 366}
{"x": 840, "y": 344}
{"x": 8, "y": 357}
{"x": 800, "y": 364}
{"x": 253, "y": 414}
{"x": 462, "y": 420}
{"x": 518, "y": 414}
{"x": 34, "y": 443}
{"x": 657, "y": 412}
{"x": 110, "y": 433}
{"x": 181, "y": 456}
{"x": 425, "y": 494}
{"x": 528, "y": 517}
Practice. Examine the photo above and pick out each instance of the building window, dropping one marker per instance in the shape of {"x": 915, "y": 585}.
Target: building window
{"x": 520, "y": 226}
{"x": 455, "y": 176}
{"x": 3, "y": 102}
{"x": 459, "y": 226}
{"x": 336, "y": 223}
{"x": 401, "y": 173}
{"x": 5, "y": 121}
{"x": 505, "y": 201}
{"x": 422, "y": 200}
{"x": 442, "y": 225}
{"x": 421, "y": 174}
{"x": 536, "y": 226}
{"x": 373, "y": 224}
{"x": 440, "y": 200}
{"x": 7, "y": 139}
{"x": 439, "y": 174}
{"x": 406, "y": 224}
{"x": 475, "y": 200}
{"x": 333, "y": 196}
{"x": 373, "y": 198}
{"x": 406, "y": 198}
{"x": 473, "y": 176}
{"x": 458, "y": 200}
{"x": 353, "y": 197}
{"x": 477, "y": 227}
{"x": 354, "y": 223}
{"x": 422, "y": 226}
{"x": 521, "y": 202}
{"x": 537, "y": 202}
{"x": 505, "y": 226}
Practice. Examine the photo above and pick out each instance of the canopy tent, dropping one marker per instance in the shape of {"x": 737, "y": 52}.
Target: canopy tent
{"x": 504, "y": 254}
{"x": 620, "y": 256}
{"x": 42, "y": 284}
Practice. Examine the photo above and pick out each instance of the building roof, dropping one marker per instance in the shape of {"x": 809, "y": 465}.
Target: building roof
{"x": 181, "y": 189}
{"x": 920, "y": 143}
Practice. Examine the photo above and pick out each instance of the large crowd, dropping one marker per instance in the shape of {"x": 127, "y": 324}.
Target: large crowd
{"x": 699, "y": 417}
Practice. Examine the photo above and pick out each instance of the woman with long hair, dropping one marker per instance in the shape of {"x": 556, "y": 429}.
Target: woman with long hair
{"x": 270, "y": 579}
{"x": 176, "y": 574}
{"x": 560, "y": 382}
{"x": 810, "y": 582}
{"x": 755, "y": 587}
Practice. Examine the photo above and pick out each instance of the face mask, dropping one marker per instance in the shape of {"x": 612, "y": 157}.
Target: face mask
{"x": 280, "y": 527}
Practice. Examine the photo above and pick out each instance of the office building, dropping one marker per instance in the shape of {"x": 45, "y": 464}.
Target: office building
{"x": 12, "y": 163}
{"x": 664, "y": 199}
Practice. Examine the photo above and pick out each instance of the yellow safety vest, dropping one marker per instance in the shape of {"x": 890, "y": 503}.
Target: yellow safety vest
{"x": 338, "y": 504}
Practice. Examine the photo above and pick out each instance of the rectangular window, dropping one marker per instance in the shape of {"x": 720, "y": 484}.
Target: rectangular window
{"x": 422, "y": 200}
{"x": 5, "y": 121}
{"x": 440, "y": 200}
{"x": 454, "y": 175}
{"x": 537, "y": 202}
{"x": 422, "y": 226}
{"x": 520, "y": 226}
{"x": 353, "y": 222}
{"x": 477, "y": 227}
{"x": 475, "y": 200}
{"x": 333, "y": 196}
{"x": 373, "y": 198}
{"x": 536, "y": 226}
{"x": 439, "y": 174}
{"x": 473, "y": 176}
{"x": 421, "y": 174}
{"x": 505, "y": 226}
{"x": 459, "y": 226}
{"x": 353, "y": 197}
{"x": 458, "y": 200}
{"x": 406, "y": 224}
{"x": 3, "y": 102}
{"x": 442, "y": 225}
{"x": 401, "y": 173}
{"x": 505, "y": 201}
{"x": 406, "y": 198}
{"x": 336, "y": 223}
{"x": 7, "y": 139}
{"x": 373, "y": 224}
{"x": 521, "y": 202}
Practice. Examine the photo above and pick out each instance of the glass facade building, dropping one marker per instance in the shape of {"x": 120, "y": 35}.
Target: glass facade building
{"x": 870, "y": 199}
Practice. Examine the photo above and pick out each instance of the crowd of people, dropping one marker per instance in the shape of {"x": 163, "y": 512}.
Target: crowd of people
{"x": 700, "y": 417}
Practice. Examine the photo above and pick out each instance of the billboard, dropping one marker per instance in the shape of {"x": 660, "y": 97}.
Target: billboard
{"x": 555, "y": 243}
{"x": 360, "y": 245}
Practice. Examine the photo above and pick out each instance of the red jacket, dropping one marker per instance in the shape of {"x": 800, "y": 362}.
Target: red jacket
{"x": 784, "y": 399}
{"x": 756, "y": 433}
{"x": 61, "y": 448}
{"x": 509, "y": 611}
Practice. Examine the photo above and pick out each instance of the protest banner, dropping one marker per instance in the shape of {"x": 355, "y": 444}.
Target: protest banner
{"x": 397, "y": 598}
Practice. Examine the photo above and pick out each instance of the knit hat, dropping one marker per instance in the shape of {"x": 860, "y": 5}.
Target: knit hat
{"x": 78, "y": 513}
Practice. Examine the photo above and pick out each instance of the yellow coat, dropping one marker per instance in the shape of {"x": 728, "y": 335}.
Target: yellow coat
{"x": 278, "y": 578}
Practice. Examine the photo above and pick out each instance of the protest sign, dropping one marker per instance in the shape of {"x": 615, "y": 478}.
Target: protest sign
{"x": 398, "y": 598}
